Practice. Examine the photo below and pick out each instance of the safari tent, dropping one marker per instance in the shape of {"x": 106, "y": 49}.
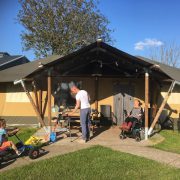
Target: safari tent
{"x": 112, "y": 78}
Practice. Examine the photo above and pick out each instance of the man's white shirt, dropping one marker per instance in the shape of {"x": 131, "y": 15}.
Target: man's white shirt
{"x": 83, "y": 97}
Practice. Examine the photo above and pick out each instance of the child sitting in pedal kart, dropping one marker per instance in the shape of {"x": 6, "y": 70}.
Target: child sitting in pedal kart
{"x": 4, "y": 143}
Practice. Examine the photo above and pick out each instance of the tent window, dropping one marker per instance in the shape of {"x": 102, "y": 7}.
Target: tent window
{"x": 17, "y": 97}
{"x": 16, "y": 93}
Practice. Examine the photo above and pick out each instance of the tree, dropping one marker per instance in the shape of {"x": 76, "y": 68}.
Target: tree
{"x": 61, "y": 26}
{"x": 167, "y": 53}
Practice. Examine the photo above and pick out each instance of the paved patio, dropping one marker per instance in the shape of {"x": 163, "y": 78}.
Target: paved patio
{"x": 108, "y": 137}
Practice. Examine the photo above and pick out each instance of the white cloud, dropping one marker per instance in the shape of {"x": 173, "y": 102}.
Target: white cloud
{"x": 147, "y": 43}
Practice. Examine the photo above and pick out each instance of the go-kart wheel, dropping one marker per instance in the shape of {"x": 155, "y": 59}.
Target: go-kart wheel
{"x": 1, "y": 160}
{"x": 33, "y": 153}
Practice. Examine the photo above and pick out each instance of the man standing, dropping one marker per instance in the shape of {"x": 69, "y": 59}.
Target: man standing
{"x": 82, "y": 102}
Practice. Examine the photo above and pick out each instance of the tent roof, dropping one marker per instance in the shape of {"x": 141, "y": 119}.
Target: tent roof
{"x": 84, "y": 60}
{"x": 22, "y": 71}
{"x": 172, "y": 72}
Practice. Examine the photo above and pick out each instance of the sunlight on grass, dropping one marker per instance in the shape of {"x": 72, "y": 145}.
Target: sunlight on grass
{"x": 94, "y": 163}
{"x": 171, "y": 142}
{"x": 23, "y": 134}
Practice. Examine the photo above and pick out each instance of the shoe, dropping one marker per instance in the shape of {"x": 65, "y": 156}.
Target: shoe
{"x": 88, "y": 139}
{"x": 19, "y": 153}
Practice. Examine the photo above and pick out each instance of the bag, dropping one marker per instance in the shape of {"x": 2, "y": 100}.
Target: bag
{"x": 53, "y": 137}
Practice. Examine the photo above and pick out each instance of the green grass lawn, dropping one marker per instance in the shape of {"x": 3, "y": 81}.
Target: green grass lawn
{"x": 171, "y": 142}
{"x": 23, "y": 134}
{"x": 91, "y": 164}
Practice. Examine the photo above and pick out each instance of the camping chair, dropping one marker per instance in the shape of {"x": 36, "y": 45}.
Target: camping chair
{"x": 165, "y": 121}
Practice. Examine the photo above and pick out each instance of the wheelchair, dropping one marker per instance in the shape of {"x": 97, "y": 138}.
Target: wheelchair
{"x": 136, "y": 131}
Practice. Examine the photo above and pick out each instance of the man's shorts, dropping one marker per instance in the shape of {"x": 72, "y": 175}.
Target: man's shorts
{"x": 5, "y": 145}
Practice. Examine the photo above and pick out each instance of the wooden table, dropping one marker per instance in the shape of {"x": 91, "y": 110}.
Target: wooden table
{"x": 74, "y": 118}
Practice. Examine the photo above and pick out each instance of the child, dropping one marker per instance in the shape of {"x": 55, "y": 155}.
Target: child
{"x": 4, "y": 143}
{"x": 55, "y": 123}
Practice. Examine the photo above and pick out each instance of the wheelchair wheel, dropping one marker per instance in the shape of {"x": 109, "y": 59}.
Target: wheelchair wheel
{"x": 121, "y": 136}
{"x": 137, "y": 137}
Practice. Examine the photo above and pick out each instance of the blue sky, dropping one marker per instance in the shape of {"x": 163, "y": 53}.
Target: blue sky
{"x": 137, "y": 24}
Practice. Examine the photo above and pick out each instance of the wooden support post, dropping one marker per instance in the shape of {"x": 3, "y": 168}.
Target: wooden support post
{"x": 146, "y": 103}
{"x": 44, "y": 105}
{"x": 161, "y": 107}
{"x": 155, "y": 89}
{"x": 33, "y": 104}
{"x": 40, "y": 102}
{"x": 36, "y": 95}
{"x": 49, "y": 100}
{"x": 96, "y": 92}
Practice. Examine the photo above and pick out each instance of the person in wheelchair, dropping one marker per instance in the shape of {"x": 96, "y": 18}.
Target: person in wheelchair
{"x": 133, "y": 117}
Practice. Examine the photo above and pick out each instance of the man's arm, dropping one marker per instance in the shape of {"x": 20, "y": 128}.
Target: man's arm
{"x": 76, "y": 107}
